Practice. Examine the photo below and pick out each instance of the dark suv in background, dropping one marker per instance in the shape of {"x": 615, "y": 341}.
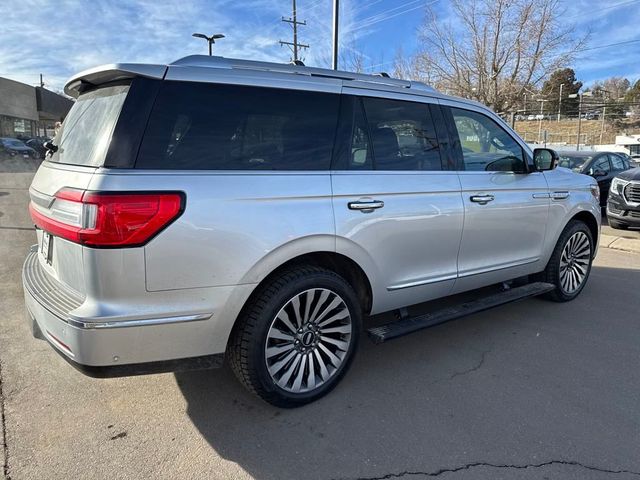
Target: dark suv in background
{"x": 623, "y": 206}
{"x": 603, "y": 166}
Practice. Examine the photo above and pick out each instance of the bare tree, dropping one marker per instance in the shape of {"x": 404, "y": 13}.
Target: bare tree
{"x": 494, "y": 50}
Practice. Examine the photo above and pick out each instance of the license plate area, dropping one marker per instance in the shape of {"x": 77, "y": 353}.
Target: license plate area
{"x": 46, "y": 248}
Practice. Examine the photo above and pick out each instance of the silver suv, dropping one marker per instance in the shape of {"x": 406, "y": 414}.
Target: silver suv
{"x": 255, "y": 211}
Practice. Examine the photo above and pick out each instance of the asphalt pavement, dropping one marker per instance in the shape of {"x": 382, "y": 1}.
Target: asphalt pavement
{"x": 530, "y": 390}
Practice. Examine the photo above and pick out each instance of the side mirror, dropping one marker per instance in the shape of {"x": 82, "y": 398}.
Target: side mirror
{"x": 545, "y": 159}
{"x": 599, "y": 173}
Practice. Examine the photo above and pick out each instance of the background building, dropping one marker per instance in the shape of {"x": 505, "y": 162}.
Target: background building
{"x": 27, "y": 111}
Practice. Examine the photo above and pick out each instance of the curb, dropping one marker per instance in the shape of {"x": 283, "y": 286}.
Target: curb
{"x": 620, "y": 243}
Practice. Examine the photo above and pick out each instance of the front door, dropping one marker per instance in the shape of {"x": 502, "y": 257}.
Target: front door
{"x": 397, "y": 212}
{"x": 505, "y": 206}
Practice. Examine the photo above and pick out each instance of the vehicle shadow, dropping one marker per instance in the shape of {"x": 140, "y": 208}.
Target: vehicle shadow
{"x": 506, "y": 386}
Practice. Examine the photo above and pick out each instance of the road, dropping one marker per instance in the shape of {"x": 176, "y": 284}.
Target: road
{"x": 529, "y": 390}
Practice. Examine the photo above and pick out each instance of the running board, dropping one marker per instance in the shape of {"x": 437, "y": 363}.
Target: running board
{"x": 409, "y": 325}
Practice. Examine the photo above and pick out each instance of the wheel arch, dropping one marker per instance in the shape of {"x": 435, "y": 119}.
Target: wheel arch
{"x": 590, "y": 220}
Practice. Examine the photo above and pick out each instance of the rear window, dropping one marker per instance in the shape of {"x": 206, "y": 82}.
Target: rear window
{"x": 195, "y": 126}
{"x": 85, "y": 134}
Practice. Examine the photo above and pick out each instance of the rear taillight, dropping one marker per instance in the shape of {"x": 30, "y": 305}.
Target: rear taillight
{"x": 108, "y": 219}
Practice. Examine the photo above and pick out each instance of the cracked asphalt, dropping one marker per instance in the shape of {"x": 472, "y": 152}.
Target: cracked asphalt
{"x": 533, "y": 390}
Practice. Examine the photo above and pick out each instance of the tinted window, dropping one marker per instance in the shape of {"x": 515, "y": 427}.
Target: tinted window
{"x": 601, "y": 164}
{"x": 574, "y": 162}
{"x": 360, "y": 157}
{"x": 86, "y": 132}
{"x": 617, "y": 162}
{"x": 485, "y": 145}
{"x": 402, "y": 135}
{"x": 225, "y": 127}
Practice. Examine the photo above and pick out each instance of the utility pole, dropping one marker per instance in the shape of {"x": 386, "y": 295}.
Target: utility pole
{"x": 604, "y": 112}
{"x": 41, "y": 81}
{"x": 560, "y": 101}
{"x": 334, "y": 52}
{"x": 293, "y": 21}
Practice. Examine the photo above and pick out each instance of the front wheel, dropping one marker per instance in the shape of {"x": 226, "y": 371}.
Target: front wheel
{"x": 570, "y": 264}
{"x": 296, "y": 338}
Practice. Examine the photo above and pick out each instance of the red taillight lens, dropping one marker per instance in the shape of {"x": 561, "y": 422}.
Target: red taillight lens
{"x": 98, "y": 219}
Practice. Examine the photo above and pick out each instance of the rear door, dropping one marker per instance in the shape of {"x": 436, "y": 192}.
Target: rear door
{"x": 505, "y": 206}
{"x": 397, "y": 211}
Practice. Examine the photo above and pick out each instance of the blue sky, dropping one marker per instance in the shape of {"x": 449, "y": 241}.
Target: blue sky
{"x": 59, "y": 38}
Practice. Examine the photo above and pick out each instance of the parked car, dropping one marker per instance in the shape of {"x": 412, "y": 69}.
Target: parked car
{"x": 14, "y": 147}
{"x": 37, "y": 143}
{"x": 602, "y": 166}
{"x": 623, "y": 206}
{"x": 254, "y": 211}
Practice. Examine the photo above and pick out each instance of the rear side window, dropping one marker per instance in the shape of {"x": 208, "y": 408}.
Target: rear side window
{"x": 617, "y": 162}
{"x": 86, "y": 133}
{"x": 402, "y": 134}
{"x": 195, "y": 126}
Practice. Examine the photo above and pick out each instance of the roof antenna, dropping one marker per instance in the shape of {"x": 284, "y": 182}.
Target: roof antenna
{"x": 382, "y": 74}
{"x": 300, "y": 63}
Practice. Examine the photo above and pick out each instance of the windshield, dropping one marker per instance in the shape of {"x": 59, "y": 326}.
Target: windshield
{"x": 85, "y": 134}
{"x": 574, "y": 162}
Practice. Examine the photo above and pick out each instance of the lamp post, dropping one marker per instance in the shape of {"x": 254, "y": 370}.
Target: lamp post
{"x": 580, "y": 95}
{"x": 210, "y": 40}
{"x": 336, "y": 23}
{"x": 541, "y": 100}
{"x": 560, "y": 101}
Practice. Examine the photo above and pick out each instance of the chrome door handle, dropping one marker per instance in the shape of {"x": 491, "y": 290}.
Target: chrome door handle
{"x": 482, "y": 199}
{"x": 366, "y": 206}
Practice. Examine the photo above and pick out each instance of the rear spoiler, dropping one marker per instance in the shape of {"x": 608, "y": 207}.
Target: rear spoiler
{"x": 109, "y": 73}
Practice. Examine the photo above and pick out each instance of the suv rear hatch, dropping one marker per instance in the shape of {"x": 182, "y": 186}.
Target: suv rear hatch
{"x": 94, "y": 135}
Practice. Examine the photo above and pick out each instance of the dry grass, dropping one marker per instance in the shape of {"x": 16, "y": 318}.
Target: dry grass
{"x": 566, "y": 131}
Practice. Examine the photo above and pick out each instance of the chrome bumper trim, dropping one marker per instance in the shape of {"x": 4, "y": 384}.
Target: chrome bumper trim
{"x": 137, "y": 322}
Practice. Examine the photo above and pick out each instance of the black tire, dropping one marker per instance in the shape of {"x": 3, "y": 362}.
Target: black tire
{"x": 617, "y": 225}
{"x": 250, "y": 337}
{"x": 552, "y": 273}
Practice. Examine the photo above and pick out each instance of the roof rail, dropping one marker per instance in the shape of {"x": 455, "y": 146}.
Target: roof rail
{"x": 232, "y": 63}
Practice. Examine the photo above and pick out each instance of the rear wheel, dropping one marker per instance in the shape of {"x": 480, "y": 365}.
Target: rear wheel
{"x": 297, "y": 337}
{"x": 570, "y": 264}
{"x": 617, "y": 225}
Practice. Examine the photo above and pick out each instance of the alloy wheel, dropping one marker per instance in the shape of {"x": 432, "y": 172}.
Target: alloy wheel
{"x": 574, "y": 262}
{"x": 308, "y": 340}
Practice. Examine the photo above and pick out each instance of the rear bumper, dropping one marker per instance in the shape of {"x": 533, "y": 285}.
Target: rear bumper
{"x": 114, "y": 348}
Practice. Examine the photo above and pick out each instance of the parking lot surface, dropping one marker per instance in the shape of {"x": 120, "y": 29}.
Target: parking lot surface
{"x": 529, "y": 390}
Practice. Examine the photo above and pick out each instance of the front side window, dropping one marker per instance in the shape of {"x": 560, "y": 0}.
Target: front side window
{"x": 200, "y": 126}
{"x": 486, "y": 145}
{"x": 402, "y": 134}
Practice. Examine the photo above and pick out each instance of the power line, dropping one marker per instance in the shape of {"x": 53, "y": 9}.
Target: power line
{"x": 592, "y": 12}
{"x": 608, "y": 45}
{"x": 373, "y": 19}
{"x": 293, "y": 21}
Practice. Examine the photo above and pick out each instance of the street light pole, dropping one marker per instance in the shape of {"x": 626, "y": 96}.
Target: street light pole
{"x": 541, "y": 100}
{"x": 336, "y": 11}
{"x": 560, "y": 101}
{"x": 210, "y": 40}
{"x": 579, "y": 95}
